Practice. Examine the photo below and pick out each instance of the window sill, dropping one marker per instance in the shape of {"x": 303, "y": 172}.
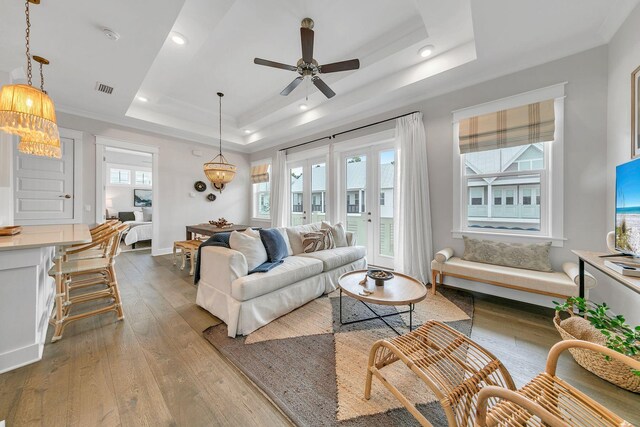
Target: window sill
{"x": 261, "y": 219}
{"x": 511, "y": 237}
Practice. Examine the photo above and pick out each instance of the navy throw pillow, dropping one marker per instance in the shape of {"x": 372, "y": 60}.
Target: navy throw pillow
{"x": 274, "y": 244}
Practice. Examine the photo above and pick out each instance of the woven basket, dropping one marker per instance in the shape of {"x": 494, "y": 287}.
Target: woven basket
{"x": 610, "y": 370}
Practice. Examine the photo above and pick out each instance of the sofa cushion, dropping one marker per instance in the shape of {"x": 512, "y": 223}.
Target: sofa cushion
{"x": 334, "y": 258}
{"x": 295, "y": 236}
{"x": 338, "y": 232}
{"x": 249, "y": 244}
{"x": 275, "y": 244}
{"x": 317, "y": 241}
{"x": 550, "y": 282}
{"x": 292, "y": 270}
{"x": 533, "y": 256}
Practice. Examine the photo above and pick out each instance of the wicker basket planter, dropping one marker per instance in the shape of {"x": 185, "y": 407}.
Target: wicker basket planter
{"x": 610, "y": 370}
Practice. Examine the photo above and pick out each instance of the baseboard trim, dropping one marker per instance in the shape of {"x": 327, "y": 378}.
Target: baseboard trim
{"x": 20, "y": 357}
{"x": 163, "y": 251}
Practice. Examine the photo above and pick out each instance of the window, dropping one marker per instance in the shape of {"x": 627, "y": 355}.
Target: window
{"x": 119, "y": 176}
{"x": 381, "y": 199}
{"x": 261, "y": 178}
{"x": 514, "y": 147}
{"x": 143, "y": 177}
{"x": 511, "y": 177}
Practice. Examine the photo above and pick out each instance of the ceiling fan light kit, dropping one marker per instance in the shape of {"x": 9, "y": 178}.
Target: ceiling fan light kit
{"x": 219, "y": 171}
{"x": 307, "y": 66}
{"x": 29, "y": 112}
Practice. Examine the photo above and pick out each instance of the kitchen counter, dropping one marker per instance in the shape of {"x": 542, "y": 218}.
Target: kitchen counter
{"x": 37, "y": 236}
{"x": 27, "y": 291}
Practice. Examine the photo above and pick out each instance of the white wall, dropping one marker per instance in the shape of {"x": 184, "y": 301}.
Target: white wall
{"x": 178, "y": 170}
{"x": 6, "y": 165}
{"x": 585, "y": 168}
{"x": 624, "y": 57}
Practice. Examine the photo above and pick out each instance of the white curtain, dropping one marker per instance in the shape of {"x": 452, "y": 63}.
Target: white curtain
{"x": 279, "y": 199}
{"x": 412, "y": 219}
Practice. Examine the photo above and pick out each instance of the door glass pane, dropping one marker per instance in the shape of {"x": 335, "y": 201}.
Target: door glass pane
{"x": 387, "y": 183}
{"x": 356, "y": 180}
{"x": 297, "y": 198}
{"x": 318, "y": 192}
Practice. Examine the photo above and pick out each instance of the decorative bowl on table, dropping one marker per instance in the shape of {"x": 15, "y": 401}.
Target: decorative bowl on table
{"x": 380, "y": 276}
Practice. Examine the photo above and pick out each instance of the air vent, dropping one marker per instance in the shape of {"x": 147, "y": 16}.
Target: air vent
{"x": 101, "y": 87}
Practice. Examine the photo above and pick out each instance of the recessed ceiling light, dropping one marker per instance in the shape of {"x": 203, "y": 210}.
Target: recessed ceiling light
{"x": 178, "y": 38}
{"x": 303, "y": 107}
{"x": 247, "y": 131}
{"x": 143, "y": 99}
{"x": 110, "y": 34}
{"x": 426, "y": 51}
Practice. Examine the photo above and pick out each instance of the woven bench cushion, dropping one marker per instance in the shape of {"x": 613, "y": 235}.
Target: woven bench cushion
{"x": 554, "y": 282}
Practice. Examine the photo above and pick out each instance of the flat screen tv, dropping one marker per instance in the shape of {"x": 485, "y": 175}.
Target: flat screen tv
{"x": 628, "y": 208}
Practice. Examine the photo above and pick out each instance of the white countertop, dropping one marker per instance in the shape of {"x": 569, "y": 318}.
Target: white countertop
{"x": 37, "y": 236}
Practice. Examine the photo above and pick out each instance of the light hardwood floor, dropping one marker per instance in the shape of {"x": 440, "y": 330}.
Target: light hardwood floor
{"x": 156, "y": 369}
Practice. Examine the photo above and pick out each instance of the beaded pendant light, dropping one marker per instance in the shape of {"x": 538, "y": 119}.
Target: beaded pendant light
{"x": 219, "y": 171}
{"x": 29, "y": 112}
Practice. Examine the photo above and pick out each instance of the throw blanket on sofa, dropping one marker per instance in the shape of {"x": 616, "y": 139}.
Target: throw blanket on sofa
{"x": 218, "y": 239}
{"x": 222, "y": 240}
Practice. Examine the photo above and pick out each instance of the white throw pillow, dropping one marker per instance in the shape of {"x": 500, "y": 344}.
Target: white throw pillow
{"x": 138, "y": 216}
{"x": 249, "y": 245}
{"x": 338, "y": 232}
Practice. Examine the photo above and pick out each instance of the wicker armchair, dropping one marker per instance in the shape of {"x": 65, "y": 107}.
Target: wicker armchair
{"x": 548, "y": 400}
{"x": 475, "y": 389}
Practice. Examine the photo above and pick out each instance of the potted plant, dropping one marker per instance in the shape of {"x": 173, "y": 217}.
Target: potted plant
{"x": 593, "y": 322}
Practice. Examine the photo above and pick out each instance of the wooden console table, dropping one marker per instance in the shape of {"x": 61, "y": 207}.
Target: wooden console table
{"x": 595, "y": 260}
{"x": 210, "y": 230}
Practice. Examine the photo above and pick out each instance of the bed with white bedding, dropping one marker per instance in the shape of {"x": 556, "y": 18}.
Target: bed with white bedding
{"x": 139, "y": 231}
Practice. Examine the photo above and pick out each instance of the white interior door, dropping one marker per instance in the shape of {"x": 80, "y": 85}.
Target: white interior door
{"x": 367, "y": 201}
{"x": 44, "y": 186}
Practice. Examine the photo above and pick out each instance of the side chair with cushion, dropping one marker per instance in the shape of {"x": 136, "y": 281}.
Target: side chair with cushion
{"x": 96, "y": 273}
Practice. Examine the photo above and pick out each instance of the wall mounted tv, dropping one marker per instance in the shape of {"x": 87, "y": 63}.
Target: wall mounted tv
{"x": 628, "y": 208}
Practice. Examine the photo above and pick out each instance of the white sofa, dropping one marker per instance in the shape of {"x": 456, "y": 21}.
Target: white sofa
{"x": 245, "y": 302}
{"x": 555, "y": 284}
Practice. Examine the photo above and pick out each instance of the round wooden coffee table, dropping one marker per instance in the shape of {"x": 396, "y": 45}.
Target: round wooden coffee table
{"x": 400, "y": 290}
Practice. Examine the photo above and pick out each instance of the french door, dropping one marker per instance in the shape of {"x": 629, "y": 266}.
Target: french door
{"x": 308, "y": 191}
{"x": 368, "y": 179}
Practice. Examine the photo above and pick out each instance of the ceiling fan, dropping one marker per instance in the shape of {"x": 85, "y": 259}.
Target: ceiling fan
{"x": 307, "y": 66}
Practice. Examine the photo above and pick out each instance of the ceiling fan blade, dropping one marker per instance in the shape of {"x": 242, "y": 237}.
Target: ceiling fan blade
{"x": 317, "y": 81}
{"x": 352, "y": 64}
{"x": 294, "y": 84}
{"x": 306, "y": 36}
{"x": 273, "y": 64}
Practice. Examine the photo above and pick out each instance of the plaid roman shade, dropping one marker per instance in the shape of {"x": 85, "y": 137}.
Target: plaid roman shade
{"x": 260, "y": 173}
{"x": 522, "y": 125}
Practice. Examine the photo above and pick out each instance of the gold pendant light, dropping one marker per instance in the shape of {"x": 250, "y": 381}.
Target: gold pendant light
{"x": 219, "y": 171}
{"x": 29, "y": 112}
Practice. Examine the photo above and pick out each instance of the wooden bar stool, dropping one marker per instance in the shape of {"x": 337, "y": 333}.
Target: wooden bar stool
{"x": 188, "y": 250}
{"x": 72, "y": 274}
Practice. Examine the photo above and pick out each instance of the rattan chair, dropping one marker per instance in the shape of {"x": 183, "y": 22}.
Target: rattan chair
{"x": 97, "y": 272}
{"x": 548, "y": 400}
{"x": 475, "y": 389}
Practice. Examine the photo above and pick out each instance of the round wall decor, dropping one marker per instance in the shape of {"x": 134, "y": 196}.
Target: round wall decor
{"x": 200, "y": 186}
{"x": 211, "y": 197}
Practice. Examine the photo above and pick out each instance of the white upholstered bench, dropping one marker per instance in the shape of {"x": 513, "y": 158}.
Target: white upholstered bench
{"x": 555, "y": 284}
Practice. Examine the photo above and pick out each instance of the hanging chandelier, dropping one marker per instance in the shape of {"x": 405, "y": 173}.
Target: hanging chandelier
{"x": 219, "y": 171}
{"x": 29, "y": 112}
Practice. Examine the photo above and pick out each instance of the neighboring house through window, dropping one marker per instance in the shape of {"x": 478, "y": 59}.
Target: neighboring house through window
{"x": 506, "y": 165}
{"x": 261, "y": 178}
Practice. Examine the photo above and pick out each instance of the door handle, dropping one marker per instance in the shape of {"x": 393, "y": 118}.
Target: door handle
{"x": 368, "y": 220}
{"x": 66, "y": 196}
